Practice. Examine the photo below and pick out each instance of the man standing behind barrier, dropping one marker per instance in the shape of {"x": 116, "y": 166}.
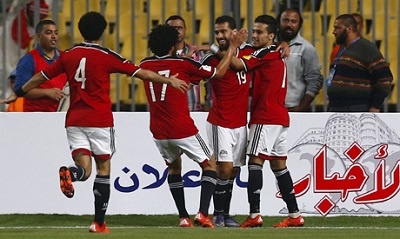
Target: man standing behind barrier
{"x": 360, "y": 79}
{"x": 360, "y": 25}
{"x": 226, "y": 122}
{"x": 46, "y": 97}
{"x": 184, "y": 49}
{"x": 304, "y": 70}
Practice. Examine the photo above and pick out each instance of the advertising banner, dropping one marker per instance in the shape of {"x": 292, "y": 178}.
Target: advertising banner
{"x": 341, "y": 164}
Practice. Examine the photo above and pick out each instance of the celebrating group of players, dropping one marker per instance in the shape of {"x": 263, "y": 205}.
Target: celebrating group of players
{"x": 231, "y": 67}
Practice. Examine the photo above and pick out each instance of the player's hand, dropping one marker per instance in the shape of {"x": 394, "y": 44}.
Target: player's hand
{"x": 238, "y": 38}
{"x": 55, "y": 94}
{"x": 195, "y": 49}
{"x": 285, "y": 49}
{"x": 10, "y": 99}
{"x": 178, "y": 84}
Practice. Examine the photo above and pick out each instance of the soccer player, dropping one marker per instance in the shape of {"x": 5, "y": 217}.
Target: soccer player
{"x": 269, "y": 122}
{"x": 89, "y": 120}
{"x": 173, "y": 129}
{"x": 226, "y": 122}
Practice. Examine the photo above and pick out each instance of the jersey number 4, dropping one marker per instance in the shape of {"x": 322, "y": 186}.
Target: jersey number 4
{"x": 165, "y": 73}
{"x": 80, "y": 72}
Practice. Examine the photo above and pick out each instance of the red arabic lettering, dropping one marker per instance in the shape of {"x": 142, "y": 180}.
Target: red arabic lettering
{"x": 300, "y": 187}
{"x": 382, "y": 191}
{"x": 353, "y": 179}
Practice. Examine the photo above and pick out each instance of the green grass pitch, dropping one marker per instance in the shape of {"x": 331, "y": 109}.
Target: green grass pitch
{"x": 43, "y": 226}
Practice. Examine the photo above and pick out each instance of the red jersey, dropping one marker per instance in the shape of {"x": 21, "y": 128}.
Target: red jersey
{"x": 88, "y": 68}
{"x": 169, "y": 111}
{"x": 230, "y": 93}
{"x": 269, "y": 87}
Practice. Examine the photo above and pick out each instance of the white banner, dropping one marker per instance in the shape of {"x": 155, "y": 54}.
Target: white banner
{"x": 340, "y": 163}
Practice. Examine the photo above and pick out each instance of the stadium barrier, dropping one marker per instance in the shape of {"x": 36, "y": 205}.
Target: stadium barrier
{"x": 340, "y": 163}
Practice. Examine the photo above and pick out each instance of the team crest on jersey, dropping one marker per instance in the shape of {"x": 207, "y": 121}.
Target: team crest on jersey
{"x": 247, "y": 57}
{"x": 223, "y": 153}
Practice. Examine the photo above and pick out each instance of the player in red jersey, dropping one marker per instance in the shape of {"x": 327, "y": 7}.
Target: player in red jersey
{"x": 173, "y": 129}
{"x": 269, "y": 122}
{"x": 226, "y": 122}
{"x": 89, "y": 120}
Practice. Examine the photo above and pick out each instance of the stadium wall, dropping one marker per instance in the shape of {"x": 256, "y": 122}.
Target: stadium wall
{"x": 341, "y": 164}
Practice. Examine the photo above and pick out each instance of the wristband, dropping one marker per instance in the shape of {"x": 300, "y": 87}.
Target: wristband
{"x": 214, "y": 48}
{"x": 20, "y": 92}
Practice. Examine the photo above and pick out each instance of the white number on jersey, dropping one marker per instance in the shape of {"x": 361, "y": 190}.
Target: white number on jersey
{"x": 241, "y": 75}
{"x": 80, "y": 72}
{"x": 165, "y": 73}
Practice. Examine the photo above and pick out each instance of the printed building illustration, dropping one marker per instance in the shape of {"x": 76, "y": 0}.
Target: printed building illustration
{"x": 342, "y": 129}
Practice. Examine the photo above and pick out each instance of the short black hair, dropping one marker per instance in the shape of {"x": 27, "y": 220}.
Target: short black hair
{"x": 92, "y": 26}
{"x": 161, "y": 39}
{"x": 230, "y": 20}
{"x": 348, "y": 20}
{"x": 40, "y": 25}
{"x": 290, "y": 10}
{"x": 270, "y": 21}
{"x": 175, "y": 17}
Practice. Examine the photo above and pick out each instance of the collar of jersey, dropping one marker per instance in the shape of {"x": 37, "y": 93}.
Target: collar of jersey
{"x": 161, "y": 57}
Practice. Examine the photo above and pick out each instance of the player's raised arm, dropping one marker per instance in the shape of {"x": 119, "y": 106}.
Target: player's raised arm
{"x": 173, "y": 80}
{"x": 236, "y": 40}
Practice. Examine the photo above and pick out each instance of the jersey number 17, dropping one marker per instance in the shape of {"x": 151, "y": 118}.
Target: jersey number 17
{"x": 165, "y": 73}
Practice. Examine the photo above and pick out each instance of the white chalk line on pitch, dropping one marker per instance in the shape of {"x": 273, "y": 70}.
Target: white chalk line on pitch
{"x": 143, "y": 227}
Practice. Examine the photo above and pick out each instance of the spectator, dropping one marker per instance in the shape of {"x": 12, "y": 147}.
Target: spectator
{"x": 360, "y": 78}
{"x": 360, "y": 26}
{"x": 184, "y": 49}
{"x": 304, "y": 70}
{"x": 18, "y": 105}
{"x": 47, "y": 96}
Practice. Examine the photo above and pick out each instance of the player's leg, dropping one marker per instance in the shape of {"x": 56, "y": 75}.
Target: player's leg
{"x": 229, "y": 221}
{"x": 221, "y": 141}
{"x": 239, "y": 159}
{"x": 102, "y": 141}
{"x": 255, "y": 178}
{"x": 101, "y": 192}
{"x": 208, "y": 183}
{"x": 177, "y": 190}
{"x": 81, "y": 169}
{"x": 285, "y": 183}
{"x": 224, "y": 170}
{"x": 196, "y": 149}
{"x": 171, "y": 152}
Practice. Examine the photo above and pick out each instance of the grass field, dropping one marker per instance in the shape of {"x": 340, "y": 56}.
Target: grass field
{"x": 165, "y": 226}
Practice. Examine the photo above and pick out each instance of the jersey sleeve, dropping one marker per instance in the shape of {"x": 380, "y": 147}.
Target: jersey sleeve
{"x": 199, "y": 71}
{"x": 258, "y": 58}
{"x": 118, "y": 64}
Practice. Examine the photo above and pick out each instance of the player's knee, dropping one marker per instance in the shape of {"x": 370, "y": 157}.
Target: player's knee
{"x": 224, "y": 170}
